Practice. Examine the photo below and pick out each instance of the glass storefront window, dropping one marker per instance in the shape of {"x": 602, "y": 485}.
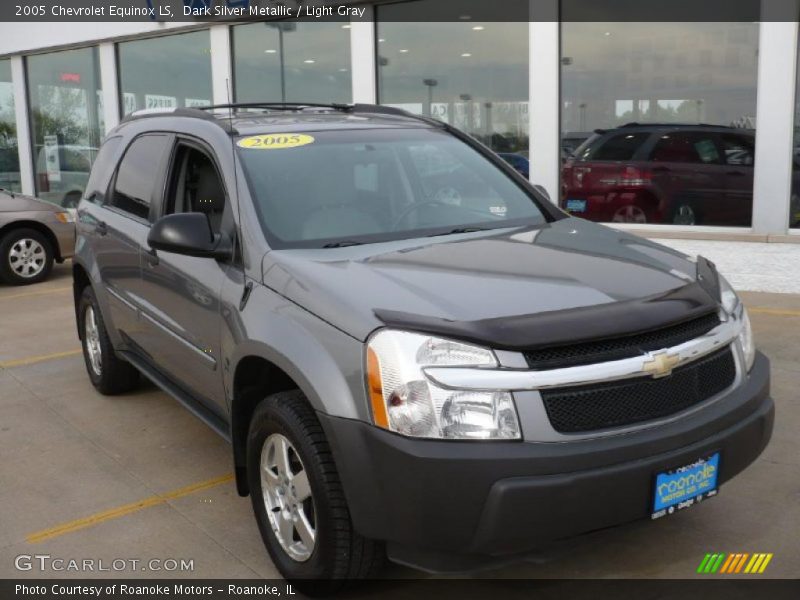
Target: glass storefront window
{"x": 165, "y": 72}
{"x": 285, "y": 61}
{"x": 794, "y": 204}
{"x": 470, "y": 74}
{"x": 66, "y": 115}
{"x": 658, "y": 121}
{"x": 9, "y": 154}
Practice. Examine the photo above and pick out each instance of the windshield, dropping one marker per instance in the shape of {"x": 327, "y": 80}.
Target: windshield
{"x": 323, "y": 189}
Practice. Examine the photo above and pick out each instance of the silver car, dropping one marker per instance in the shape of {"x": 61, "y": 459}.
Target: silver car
{"x": 33, "y": 234}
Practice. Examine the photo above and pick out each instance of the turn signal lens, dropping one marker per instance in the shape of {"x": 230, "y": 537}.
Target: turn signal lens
{"x": 65, "y": 217}
{"x": 376, "y": 390}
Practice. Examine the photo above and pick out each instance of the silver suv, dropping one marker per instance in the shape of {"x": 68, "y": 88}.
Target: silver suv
{"x": 412, "y": 352}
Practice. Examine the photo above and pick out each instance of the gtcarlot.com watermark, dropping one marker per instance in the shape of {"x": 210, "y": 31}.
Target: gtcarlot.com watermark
{"x": 45, "y": 563}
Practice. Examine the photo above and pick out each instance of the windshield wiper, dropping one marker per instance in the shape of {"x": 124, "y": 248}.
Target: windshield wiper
{"x": 459, "y": 230}
{"x": 342, "y": 244}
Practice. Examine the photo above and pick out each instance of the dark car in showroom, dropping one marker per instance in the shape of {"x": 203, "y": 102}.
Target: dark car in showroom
{"x": 662, "y": 173}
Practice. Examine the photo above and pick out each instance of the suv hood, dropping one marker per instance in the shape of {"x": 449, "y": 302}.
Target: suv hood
{"x": 502, "y": 287}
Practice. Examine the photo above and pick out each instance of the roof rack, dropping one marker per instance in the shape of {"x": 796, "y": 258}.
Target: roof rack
{"x": 294, "y": 106}
{"x": 347, "y": 108}
{"x": 204, "y": 112}
{"x": 172, "y": 112}
{"x": 635, "y": 124}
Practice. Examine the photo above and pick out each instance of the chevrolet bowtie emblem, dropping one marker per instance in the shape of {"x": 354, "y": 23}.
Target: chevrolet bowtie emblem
{"x": 660, "y": 364}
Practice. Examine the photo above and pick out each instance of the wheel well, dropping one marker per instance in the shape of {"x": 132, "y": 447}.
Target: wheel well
{"x": 35, "y": 225}
{"x": 255, "y": 379}
{"x": 80, "y": 280}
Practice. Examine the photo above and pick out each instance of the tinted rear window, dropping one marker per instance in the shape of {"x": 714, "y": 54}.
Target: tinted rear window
{"x": 619, "y": 146}
{"x": 102, "y": 170}
{"x": 136, "y": 178}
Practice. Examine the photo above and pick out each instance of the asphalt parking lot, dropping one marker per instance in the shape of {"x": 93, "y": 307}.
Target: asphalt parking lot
{"x": 84, "y": 476}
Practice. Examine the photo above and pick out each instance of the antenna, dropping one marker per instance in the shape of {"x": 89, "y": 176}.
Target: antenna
{"x": 248, "y": 286}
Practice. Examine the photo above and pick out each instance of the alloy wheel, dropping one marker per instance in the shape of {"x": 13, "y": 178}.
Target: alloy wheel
{"x": 630, "y": 214}
{"x": 684, "y": 215}
{"x": 91, "y": 337}
{"x": 27, "y": 258}
{"x": 287, "y": 497}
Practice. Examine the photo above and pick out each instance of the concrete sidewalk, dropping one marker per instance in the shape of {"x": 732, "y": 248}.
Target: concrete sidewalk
{"x": 751, "y": 266}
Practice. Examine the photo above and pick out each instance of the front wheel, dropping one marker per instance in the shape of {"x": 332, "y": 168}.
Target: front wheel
{"x": 26, "y": 256}
{"x": 298, "y": 499}
{"x": 109, "y": 374}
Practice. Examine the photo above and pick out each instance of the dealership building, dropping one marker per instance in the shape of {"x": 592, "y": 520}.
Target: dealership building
{"x": 535, "y": 89}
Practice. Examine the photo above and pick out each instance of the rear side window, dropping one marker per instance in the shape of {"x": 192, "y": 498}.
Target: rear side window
{"x": 102, "y": 170}
{"x": 739, "y": 150}
{"x": 621, "y": 146}
{"x": 137, "y": 175}
{"x": 686, "y": 147}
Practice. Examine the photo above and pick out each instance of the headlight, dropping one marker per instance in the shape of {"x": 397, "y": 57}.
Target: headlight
{"x": 728, "y": 297}
{"x": 733, "y": 307}
{"x": 404, "y": 400}
{"x": 746, "y": 340}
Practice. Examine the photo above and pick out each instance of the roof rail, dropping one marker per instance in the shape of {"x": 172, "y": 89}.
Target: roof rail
{"x": 635, "y": 124}
{"x": 348, "y": 108}
{"x": 203, "y": 112}
{"x": 277, "y": 106}
{"x": 172, "y": 112}
{"x": 193, "y": 112}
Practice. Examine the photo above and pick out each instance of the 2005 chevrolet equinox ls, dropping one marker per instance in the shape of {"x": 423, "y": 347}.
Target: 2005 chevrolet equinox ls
{"x": 411, "y": 350}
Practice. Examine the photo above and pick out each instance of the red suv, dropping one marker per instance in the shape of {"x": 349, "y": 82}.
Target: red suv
{"x": 680, "y": 174}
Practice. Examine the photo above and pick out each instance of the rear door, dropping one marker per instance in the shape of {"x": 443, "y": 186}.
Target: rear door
{"x": 181, "y": 294}
{"x": 739, "y": 152}
{"x": 119, "y": 224}
{"x": 687, "y": 168}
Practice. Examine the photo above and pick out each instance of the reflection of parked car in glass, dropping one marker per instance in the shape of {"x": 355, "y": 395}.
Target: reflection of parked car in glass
{"x": 520, "y": 163}
{"x": 681, "y": 174}
{"x": 32, "y": 235}
{"x": 571, "y": 140}
{"x": 63, "y": 176}
{"x": 9, "y": 168}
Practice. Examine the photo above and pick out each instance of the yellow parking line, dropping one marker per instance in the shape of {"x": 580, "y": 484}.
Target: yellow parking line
{"x": 121, "y": 511}
{"x": 32, "y": 360}
{"x": 36, "y": 293}
{"x": 778, "y": 312}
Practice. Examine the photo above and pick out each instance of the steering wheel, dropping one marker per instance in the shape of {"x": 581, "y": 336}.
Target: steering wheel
{"x": 411, "y": 208}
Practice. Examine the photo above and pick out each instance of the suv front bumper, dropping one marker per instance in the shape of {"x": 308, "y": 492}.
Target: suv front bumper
{"x": 451, "y": 506}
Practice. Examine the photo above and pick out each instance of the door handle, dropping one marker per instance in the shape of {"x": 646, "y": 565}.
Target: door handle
{"x": 151, "y": 257}
{"x": 660, "y": 169}
{"x": 101, "y": 228}
{"x": 735, "y": 173}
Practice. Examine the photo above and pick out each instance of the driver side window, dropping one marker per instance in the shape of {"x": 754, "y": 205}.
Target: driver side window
{"x": 195, "y": 186}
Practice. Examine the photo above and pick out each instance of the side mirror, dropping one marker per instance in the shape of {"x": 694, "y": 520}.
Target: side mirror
{"x": 541, "y": 190}
{"x": 189, "y": 234}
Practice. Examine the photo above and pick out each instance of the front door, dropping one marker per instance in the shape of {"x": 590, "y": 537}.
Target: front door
{"x": 181, "y": 294}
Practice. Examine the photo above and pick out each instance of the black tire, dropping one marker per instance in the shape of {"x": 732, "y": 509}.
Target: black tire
{"x": 116, "y": 375}
{"x": 20, "y": 239}
{"x": 340, "y": 555}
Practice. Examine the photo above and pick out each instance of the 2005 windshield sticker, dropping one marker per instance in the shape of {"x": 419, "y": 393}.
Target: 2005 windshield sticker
{"x": 275, "y": 141}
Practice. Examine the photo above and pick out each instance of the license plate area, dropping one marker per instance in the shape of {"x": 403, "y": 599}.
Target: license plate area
{"x": 576, "y": 206}
{"x": 682, "y": 487}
